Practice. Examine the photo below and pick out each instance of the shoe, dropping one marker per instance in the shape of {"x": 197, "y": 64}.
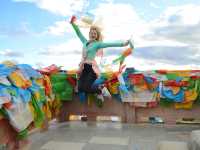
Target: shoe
{"x": 106, "y": 93}
{"x": 100, "y": 97}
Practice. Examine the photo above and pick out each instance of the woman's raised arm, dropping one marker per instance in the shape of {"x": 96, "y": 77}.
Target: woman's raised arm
{"x": 77, "y": 30}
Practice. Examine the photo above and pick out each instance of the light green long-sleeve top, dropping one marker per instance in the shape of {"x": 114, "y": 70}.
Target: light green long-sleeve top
{"x": 91, "y": 49}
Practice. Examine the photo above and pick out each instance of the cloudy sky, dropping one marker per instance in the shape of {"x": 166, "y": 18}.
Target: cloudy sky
{"x": 166, "y": 33}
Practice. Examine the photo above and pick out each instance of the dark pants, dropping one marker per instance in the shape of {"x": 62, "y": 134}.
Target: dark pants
{"x": 87, "y": 78}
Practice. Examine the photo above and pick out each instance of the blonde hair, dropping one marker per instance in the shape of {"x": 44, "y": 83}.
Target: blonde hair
{"x": 98, "y": 30}
{"x": 99, "y": 38}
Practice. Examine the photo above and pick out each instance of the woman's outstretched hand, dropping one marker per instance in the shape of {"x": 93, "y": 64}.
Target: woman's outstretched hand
{"x": 73, "y": 19}
{"x": 131, "y": 44}
{"x": 126, "y": 43}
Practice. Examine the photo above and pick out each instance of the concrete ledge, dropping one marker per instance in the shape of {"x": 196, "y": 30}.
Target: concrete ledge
{"x": 171, "y": 145}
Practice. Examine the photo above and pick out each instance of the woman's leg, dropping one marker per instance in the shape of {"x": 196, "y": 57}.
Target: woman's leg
{"x": 90, "y": 80}
{"x": 87, "y": 78}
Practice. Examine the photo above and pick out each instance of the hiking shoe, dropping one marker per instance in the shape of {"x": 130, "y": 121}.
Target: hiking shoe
{"x": 105, "y": 92}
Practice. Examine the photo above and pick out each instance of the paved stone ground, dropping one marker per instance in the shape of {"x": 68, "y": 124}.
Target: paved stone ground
{"x": 107, "y": 136}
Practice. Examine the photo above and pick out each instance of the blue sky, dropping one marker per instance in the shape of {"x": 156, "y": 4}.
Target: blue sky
{"x": 166, "y": 33}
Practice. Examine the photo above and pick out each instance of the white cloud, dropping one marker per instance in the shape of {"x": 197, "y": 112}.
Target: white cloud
{"x": 108, "y": 1}
{"x": 60, "y": 7}
{"x": 59, "y": 28}
{"x": 68, "y": 61}
{"x": 10, "y": 53}
{"x": 179, "y": 24}
{"x": 185, "y": 15}
{"x": 72, "y": 46}
{"x": 174, "y": 38}
{"x": 120, "y": 21}
{"x": 154, "y": 5}
{"x": 176, "y": 27}
{"x": 155, "y": 41}
{"x": 151, "y": 64}
{"x": 66, "y": 54}
{"x": 21, "y": 30}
